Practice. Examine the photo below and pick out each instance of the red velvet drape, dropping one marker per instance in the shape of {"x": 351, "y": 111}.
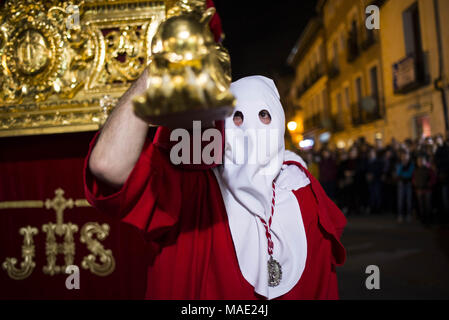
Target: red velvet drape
{"x": 32, "y": 168}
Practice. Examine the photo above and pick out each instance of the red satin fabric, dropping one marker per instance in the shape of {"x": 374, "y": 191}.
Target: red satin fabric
{"x": 183, "y": 218}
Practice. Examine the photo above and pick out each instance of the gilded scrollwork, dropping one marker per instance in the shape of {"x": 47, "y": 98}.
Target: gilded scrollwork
{"x": 28, "y": 252}
{"x": 126, "y": 56}
{"x": 53, "y": 248}
{"x": 91, "y": 234}
{"x": 47, "y": 61}
{"x": 107, "y": 265}
{"x": 36, "y": 52}
{"x": 189, "y": 73}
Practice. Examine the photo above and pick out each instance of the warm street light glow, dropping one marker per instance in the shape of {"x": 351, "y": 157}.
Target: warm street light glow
{"x": 341, "y": 144}
{"x": 292, "y": 125}
{"x": 307, "y": 143}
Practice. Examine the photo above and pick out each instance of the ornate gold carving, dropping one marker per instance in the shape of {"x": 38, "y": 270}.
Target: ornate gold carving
{"x": 27, "y": 265}
{"x": 125, "y": 54}
{"x": 59, "y": 204}
{"x": 81, "y": 203}
{"x": 67, "y": 248}
{"x": 189, "y": 74}
{"x": 21, "y": 204}
{"x": 106, "y": 258}
{"x": 41, "y": 54}
{"x": 53, "y": 74}
{"x": 52, "y": 248}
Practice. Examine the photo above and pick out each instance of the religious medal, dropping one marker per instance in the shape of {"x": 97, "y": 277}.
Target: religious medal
{"x": 274, "y": 267}
{"x": 274, "y": 272}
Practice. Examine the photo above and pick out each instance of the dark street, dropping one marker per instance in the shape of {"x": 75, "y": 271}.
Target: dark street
{"x": 413, "y": 260}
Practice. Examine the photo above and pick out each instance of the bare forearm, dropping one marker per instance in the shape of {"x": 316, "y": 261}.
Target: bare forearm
{"x": 121, "y": 140}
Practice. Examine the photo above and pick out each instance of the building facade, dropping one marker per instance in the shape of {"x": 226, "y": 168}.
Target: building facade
{"x": 356, "y": 96}
{"x": 380, "y": 67}
{"x": 414, "y": 63}
{"x": 309, "y": 92}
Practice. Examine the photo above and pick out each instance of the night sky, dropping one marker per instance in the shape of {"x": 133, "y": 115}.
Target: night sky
{"x": 260, "y": 34}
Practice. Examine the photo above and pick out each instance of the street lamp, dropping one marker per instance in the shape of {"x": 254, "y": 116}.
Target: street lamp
{"x": 292, "y": 125}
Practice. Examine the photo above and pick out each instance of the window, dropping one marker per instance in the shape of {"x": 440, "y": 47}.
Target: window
{"x": 353, "y": 42}
{"x": 335, "y": 48}
{"x": 354, "y": 29}
{"x": 330, "y": 9}
{"x": 335, "y": 53}
{"x": 312, "y": 106}
{"x": 412, "y": 30}
{"x": 318, "y": 104}
{"x": 342, "y": 40}
{"x": 320, "y": 53}
{"x": 347, "y": 98}
{"x": 357, "y": 108}
{"x": 324, "y": 99}
{"x": 338, "y": 120}
{"x": 358, "y": 89}
{"x": 339, "y": 104}
{"x": 374, "y": 83}
{"x": 306, "y": 110}
{"x": 412, "y": 38}
{"x": 422, "y": 127}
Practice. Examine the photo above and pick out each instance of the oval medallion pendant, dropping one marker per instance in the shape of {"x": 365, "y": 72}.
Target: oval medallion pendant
{"x": 274, "y": 272}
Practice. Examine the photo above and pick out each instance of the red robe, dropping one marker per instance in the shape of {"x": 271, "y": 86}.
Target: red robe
{"x": 192, "y": 255}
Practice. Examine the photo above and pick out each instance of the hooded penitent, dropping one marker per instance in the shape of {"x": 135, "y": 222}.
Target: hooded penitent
{"x": 253, "y": 159}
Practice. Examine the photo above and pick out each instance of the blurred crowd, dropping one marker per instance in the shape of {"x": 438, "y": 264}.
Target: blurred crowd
{"x": 408, "y": 178}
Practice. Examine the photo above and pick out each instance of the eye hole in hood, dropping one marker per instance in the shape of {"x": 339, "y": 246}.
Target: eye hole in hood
{"x": 265, "y": 116}
{"x": 238, "y": 118}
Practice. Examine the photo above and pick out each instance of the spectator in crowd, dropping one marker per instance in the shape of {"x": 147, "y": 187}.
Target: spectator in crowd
{"x": 343, "y": 196}
{"x": 328, "y": 173}
{"x": 404, "y": 174}
{"x": 381, "y": 179}
{"x": 374, "y": 170}
{"x": 442, "y": 167}
{"x": 350, "y": 173}
{"x": 388, "y": 180}
{"x": 423, "y": 181}
{"x": 360, "y": 178}
{"x": 313, "y": 164}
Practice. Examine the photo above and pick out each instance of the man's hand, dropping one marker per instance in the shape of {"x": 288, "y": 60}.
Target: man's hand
{"x": 121, "y": 140}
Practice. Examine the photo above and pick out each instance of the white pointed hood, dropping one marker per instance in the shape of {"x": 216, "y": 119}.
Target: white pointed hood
{"x": 253, "y": 158}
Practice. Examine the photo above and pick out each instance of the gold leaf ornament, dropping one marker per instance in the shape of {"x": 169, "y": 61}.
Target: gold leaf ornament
{"x": 107, "y": 265}
{"x": 189, "y": 74}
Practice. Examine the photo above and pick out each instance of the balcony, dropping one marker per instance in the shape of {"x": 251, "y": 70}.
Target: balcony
{"x": 333, "y": 70}
{"x": 353, "y": 47}
{"x": 410, "y": 73}
{"x": 366, "y": 111}
{"x": 313, "y": 122}
{"x": 309, "y": 80}
{"x": 300, "y": 90}
{"x": 316, "y": 74}
{"x": 370, "y": 40}
{"x": 356, "y": 118}
{"x": 337, "y": 124}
